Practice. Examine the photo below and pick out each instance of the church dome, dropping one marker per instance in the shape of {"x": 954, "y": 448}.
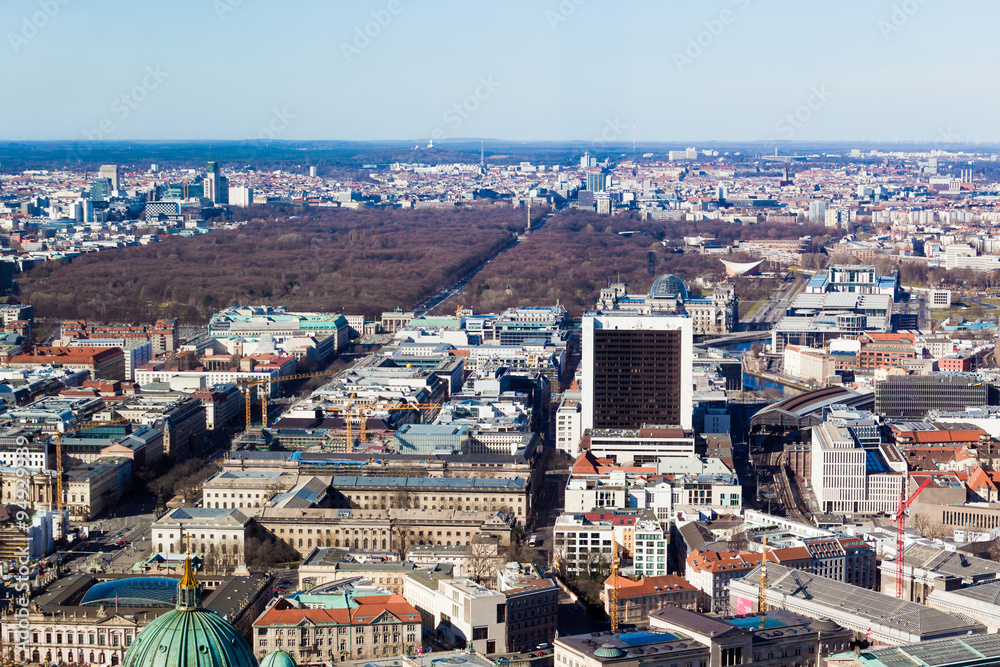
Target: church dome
{"x": 189, "y": 635}
{"x": 277, "y": 658}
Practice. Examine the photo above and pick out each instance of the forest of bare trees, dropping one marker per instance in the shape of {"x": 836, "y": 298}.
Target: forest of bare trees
{"x": 576, "y": 253}
{"x": 356, "y": 261}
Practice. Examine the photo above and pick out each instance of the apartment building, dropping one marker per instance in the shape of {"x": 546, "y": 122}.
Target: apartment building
{"x": 532, "y": 606}
{"x": 163, "y": 335}
{"x": 569, "y": 418}
{"x": 582, "y": 543}
{"x": 374, "y": 626}
{"x": 103, "y": 363}
{"x": 712, "y": 571}
{"x": 637, "y": 599}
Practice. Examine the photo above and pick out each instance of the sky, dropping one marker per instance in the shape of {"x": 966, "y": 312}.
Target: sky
{"x": 540, "y": 70}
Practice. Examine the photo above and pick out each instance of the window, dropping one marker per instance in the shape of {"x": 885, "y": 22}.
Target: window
{"x": 479, "y": 633}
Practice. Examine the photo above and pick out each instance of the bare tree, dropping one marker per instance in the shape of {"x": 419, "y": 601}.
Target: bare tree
{"x": 401, "y": 540}
{"x": 597, "y": 565}
{"x": 484, "y": 562}
{"x": 994, "y": 550}
{"x": 926, "y": 527}
{"x": 402, "y": 499}
{"x": 738, "y": 542}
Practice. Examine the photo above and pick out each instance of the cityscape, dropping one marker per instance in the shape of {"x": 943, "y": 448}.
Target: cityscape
{"x": 442, "y": 365}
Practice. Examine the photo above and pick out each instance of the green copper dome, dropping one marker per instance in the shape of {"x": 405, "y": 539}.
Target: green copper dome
{"x": 189, "y": 636}
{"x": 277, "y": 658}
{"x": 605, "y": 651}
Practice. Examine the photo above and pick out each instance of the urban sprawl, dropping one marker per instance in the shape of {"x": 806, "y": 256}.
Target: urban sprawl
{"x": 681, "y": 476}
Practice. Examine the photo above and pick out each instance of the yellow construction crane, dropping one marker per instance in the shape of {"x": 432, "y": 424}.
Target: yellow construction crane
{"x": 247, "y": 385}
{"x": 60, "y": 499}
{"x": 363, "y": 411}
{"x": 613, "y": 590}
{"x": 762, "y": 590}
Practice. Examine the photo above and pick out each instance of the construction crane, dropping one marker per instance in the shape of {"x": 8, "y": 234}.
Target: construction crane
{"x": 613, "y": 591}
{"x": 762, "y": 587}
{"x": 363, "y": 411}
{"x": 60, "y": 500}
{"x": 267, "y": 380}
{"x": 904, "y": 503}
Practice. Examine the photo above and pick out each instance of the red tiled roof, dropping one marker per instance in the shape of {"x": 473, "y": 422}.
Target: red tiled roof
{"x": 368, "y": 610}
{"x": 648, "y": 585}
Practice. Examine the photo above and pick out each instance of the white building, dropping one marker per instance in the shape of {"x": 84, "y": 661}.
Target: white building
{"x": 640, "y": 446}
{"x": 939, "y": 298}
{"x": 569, "y": 418}
{"x": 241, "y": 196}
{"x": 583, "y": 545}
{"x": 807, "y": 363}
{"x": 849, "y": 479}
{"x": 221, "y": 531}
{"x": 465, "y": 614}
{"x": 650, "y": 551}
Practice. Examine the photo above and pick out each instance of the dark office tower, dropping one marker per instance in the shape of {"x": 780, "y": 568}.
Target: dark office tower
{"x": 216, "y": 185}
{"x": 636, "y": 371}
{"x": 651, "y": 262}
{"x": 914, "y": 395}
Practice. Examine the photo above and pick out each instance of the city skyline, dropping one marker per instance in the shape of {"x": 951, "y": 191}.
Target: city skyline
{"x": 553, "y": 71}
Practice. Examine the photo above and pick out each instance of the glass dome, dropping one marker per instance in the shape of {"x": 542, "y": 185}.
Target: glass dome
{"x": 133, "y": 592}
{"x": 668, "y": 286}
{"x": 189, "y": 636}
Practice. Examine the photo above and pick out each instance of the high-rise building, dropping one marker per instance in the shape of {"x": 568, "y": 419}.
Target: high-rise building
{"x": 637, "y": 370}
{"x": 817, "y": 211}
{"x": 312, "y": 172}
{"x": 112, "y": 173}
{"x": 240, "y": 195}
{"x": 216, "y": 185}
{"x": 595, "y": 181}
{"x": 100, "y": 189}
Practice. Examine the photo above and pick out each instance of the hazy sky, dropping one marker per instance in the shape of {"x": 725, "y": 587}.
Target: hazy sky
{"x": 508, "y": 69}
